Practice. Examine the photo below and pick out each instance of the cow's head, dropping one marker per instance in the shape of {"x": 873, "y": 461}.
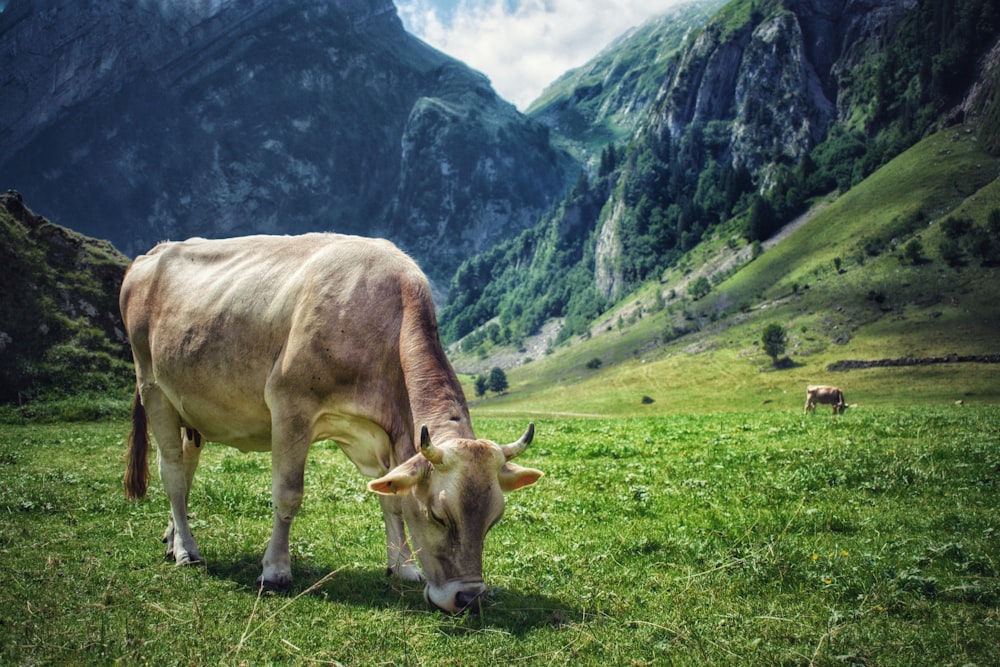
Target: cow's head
{"x": 452, "y": 494}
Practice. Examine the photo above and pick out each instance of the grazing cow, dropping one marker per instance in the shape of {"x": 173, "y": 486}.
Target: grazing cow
{"x": 825, "y": 396}
{"x": 272, "y": 343}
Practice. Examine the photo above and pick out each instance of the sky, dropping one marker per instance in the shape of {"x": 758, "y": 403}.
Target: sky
{"x": 524, "y": 45}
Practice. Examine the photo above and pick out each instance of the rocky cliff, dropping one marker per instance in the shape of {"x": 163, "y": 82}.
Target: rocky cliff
{"x": 776, "y": 78}
{"x": 756, "y": 110}
{"x": 157, "y": 119}
{"x": 605, "y": 100}
{"x": 60, "y": 331}
{"x": 750, "y": 96}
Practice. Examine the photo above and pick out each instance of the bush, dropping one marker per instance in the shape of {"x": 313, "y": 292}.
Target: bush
{"x": 700, "y": 287}
{"x": 956, "y": 227}
{"x": 951, "y": 252}
{"x": 983, "y": 246}
{"x": 913, "y": 252}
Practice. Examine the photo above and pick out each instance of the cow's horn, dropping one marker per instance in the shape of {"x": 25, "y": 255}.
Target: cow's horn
{"x": 427, "y": 448}
{"x": 515, "y": 448}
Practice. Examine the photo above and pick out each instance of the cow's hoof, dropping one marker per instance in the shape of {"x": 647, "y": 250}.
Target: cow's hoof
{"x": 277, "y": 585}
{"x": 182, "y": 558}
{"x": 406, "y": 573}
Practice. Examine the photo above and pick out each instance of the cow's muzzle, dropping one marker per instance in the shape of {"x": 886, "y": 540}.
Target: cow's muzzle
{"x": 457, "y": 597}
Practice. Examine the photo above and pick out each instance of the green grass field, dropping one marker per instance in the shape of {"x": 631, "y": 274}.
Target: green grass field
{"x": 743, "y": 537}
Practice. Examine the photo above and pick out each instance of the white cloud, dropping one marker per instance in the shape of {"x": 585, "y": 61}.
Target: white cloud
{"x": 524, "y": 45}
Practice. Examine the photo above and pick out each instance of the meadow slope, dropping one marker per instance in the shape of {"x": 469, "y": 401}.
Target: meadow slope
{"x": 840, "y": 285}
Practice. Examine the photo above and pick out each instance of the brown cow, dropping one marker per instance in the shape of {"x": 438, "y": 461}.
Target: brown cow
{"x": 272, "y": 343}
{"x": 825, "y": 395}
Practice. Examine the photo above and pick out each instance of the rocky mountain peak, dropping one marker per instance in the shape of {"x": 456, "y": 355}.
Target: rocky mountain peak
{"x": 160, "y": 119}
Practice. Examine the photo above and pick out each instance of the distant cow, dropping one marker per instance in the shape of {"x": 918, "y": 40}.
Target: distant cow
{"x": 272, "y": 343}
{"x": 826, "y": 396}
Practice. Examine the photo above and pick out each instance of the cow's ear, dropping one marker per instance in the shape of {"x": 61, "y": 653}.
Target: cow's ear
{"x": 398, "y": 480}
{"x": 513, "y": 476}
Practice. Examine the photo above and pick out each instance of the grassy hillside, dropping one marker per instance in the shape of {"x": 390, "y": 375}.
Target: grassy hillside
{"x": 841, "y": 285}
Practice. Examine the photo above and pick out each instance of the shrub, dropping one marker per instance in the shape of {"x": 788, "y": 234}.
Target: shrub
{"x": 983, "y": 246}
{"x": 913, "y": 252}
{"x": 951, "y": 252}
{"x": 956, "y": 227}
{"x": 699, "y": 287}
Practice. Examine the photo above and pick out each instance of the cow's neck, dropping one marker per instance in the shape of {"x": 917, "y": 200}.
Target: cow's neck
{"x": 436, "y": 397}
{"x": 443, "y": 409}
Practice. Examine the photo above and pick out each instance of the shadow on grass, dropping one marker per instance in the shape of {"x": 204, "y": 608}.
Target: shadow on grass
{"x": 783, "y": 364}
{"x": 515, "y": 611}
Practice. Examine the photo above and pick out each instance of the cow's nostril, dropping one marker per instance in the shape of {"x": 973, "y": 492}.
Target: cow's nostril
{"x": 467, "y": 601}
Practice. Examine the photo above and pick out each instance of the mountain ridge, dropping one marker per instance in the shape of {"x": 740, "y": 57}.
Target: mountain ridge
{"x": 60, "y": 330}
{"x": 270, "y": 117}
{"x": 743, "y": 134}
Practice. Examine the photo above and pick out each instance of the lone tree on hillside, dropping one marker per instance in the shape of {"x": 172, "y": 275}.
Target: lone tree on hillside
{"x": 699, "y": 288}
{"x": 498, "y": 380}
{"x": 774, "y": 340}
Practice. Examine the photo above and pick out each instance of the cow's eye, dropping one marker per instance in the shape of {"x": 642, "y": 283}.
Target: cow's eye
{"x": 438, "y": 519}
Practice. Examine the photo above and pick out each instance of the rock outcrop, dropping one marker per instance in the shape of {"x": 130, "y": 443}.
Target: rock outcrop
{"x": 60, "y": 330}
{"x": 760, "y": 94}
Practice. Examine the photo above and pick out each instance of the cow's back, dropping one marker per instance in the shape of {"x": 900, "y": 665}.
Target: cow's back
{"x": 218, "y": 324}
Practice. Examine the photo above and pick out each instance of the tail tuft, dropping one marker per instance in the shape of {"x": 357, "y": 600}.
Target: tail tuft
{"x": 137, "y": 464}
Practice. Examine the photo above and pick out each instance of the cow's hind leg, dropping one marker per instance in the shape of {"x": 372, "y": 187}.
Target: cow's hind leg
{"x": 191, "y": 446}
{"x": 176, "y": 470}
{"x": 401, "y": 560}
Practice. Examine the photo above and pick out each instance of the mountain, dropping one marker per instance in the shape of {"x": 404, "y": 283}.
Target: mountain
{"x": 887, "y": 290}
{"x": 60, "y": 330}
{"x": 764, "y": 107}
{"x": 603, "y": 101}
{"x": 277, "y": 116}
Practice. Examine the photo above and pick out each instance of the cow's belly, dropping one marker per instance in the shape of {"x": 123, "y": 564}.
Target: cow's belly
{"x": 240, "y": 422}
{"x": 227, "y": 408}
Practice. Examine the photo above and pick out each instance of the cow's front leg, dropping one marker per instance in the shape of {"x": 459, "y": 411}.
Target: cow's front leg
{"x": 288, "y": 463}
{"x": 401, "y": 560}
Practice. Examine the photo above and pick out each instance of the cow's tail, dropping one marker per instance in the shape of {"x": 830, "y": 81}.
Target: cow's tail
{"x": 137, "y": 463}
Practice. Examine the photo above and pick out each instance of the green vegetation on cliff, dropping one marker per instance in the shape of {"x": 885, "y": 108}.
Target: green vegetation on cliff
{"x": 59, "y": 323}
{"x": 712, "y": 155}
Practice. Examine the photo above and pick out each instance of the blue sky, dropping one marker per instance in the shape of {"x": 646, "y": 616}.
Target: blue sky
{"x": 524, "y": 45}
